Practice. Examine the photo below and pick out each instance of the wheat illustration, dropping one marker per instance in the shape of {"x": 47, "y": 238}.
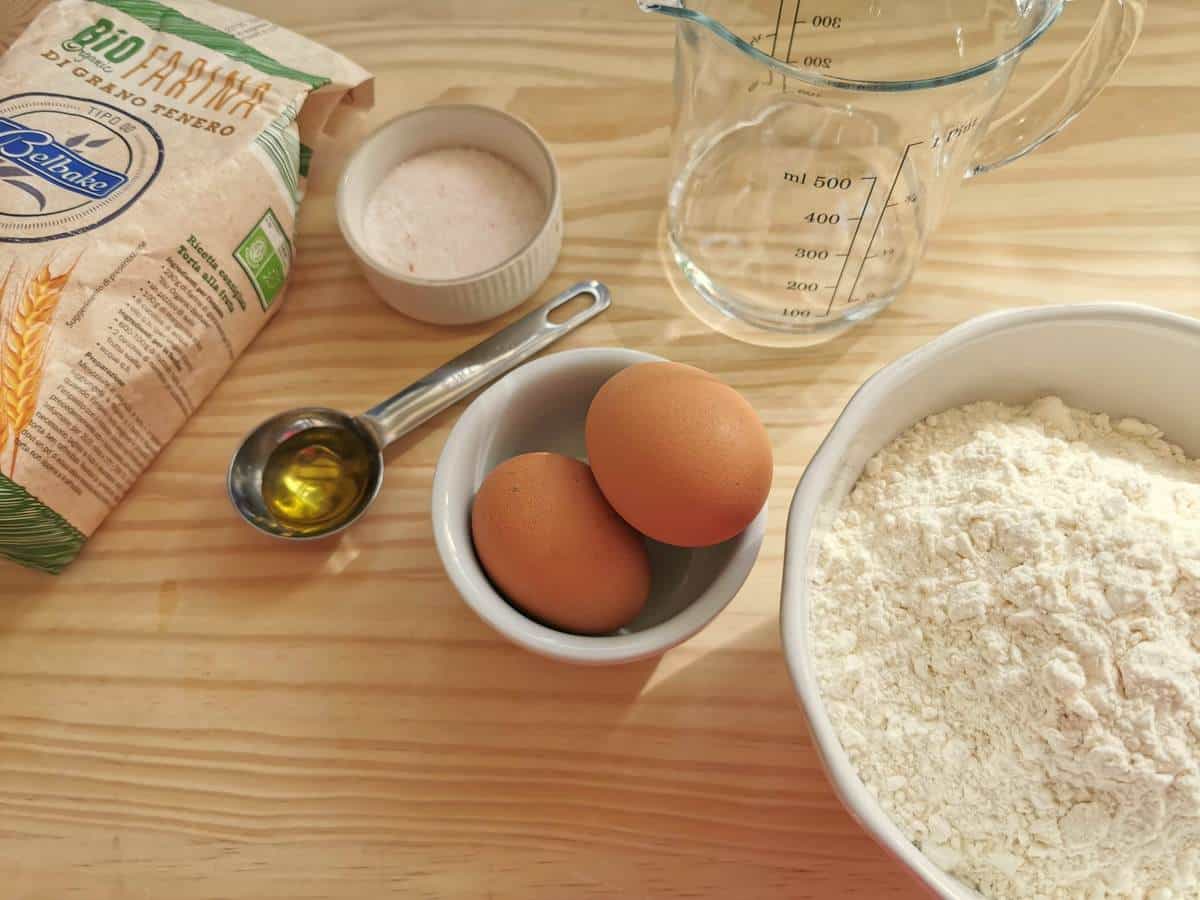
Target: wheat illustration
{"x": 3, "y": 310}
{"x": 26, "y": 337}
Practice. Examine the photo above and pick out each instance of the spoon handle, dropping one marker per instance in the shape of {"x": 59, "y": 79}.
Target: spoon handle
{"x": 482, "y": 364}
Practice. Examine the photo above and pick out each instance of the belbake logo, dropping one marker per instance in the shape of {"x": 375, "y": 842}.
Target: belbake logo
{"x": 38, "y": 153}
{"x": 68, "y": 164}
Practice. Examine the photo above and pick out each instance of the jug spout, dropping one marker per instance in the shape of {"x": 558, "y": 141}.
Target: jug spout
{"x": 677, "y": 9}
{"x": 673, "y": 8}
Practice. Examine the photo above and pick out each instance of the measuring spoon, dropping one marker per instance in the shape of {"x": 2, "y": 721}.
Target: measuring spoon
{"x": 350, "y": 448}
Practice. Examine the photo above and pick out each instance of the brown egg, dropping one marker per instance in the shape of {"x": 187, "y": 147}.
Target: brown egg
{"x": 553, "y": 546}
{"x": 679, "y": 454}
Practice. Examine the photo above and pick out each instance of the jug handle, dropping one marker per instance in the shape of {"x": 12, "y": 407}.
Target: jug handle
{"x": 1075, "y": 85}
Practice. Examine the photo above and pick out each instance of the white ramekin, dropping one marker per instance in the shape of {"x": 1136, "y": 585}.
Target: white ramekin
{"x": 472, "y": 298}
{"x": 1120, "y": 359}
{"x": 542, "y": 406}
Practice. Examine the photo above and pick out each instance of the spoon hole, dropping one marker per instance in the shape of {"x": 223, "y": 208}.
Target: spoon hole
{"x": 570, "y": 309}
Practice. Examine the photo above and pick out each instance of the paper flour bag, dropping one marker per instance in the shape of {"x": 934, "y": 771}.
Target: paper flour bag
{"x": 152, "y": 158}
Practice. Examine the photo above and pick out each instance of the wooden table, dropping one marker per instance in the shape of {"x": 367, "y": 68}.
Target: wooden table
{"x": 194, "y": 712}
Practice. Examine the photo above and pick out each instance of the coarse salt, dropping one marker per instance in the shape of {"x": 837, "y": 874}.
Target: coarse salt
{"x": 452, "y": 213}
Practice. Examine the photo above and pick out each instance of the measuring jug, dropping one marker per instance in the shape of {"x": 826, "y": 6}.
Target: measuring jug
{"x": 817, "y": 142}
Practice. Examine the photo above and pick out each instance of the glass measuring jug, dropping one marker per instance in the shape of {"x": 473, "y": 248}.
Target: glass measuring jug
{"x": 816, "y": 143}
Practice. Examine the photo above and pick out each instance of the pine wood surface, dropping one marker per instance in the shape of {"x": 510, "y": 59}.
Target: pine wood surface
{"x": 194, "y": 712}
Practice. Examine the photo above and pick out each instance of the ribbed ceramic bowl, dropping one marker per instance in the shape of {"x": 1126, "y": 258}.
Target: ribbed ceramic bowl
{"x": 1119, "y": 359}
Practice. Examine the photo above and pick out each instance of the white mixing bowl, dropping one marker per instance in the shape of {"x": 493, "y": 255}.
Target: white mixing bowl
{"x": 1119, "y": 359}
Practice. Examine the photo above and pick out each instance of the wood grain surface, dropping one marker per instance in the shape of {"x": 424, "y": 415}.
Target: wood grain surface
{"x": 194, "y": 712}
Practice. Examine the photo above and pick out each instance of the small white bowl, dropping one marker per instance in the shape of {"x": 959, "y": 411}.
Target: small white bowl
{"x": 1120, "y": 359}
{"x": 542, "y": 406}
{"x": 485, "y": 294}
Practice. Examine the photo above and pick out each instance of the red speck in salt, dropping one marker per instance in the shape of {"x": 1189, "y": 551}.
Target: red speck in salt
{"x": 458, "y": 211}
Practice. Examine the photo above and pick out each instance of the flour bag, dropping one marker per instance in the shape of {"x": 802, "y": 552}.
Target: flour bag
{"x": 152, "y": 159}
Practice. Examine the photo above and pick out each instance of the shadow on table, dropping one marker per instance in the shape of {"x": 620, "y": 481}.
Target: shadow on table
{"x": 703, "y": 748}
{"x": 737, "y": 699}
{"x": 606, "y": 691}
{"x": 20, "y": 591}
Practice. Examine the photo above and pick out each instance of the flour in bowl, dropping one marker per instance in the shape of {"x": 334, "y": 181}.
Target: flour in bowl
{"x": 1005, "y": 619}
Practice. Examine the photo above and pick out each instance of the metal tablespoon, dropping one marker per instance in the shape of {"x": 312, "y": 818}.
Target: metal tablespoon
{"x": 364, "y": 437}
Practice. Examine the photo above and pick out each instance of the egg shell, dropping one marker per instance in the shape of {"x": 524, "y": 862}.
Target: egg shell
{"x": 553, "y": 546}
{"x": 681, "y": 455}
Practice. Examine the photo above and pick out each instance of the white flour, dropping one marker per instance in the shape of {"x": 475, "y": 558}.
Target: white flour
{"x": 1006, "y": 619}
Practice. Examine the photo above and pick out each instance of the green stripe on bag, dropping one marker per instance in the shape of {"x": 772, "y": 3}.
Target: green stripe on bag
{"x": 33, "y": 534}
{"x": 170, "y": 21}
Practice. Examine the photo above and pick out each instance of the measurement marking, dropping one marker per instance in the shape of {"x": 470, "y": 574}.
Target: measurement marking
{"x": 792, "y": 39}
{"x": 887, "y": 201}
{"x": 775, "y": 36}
{"x": 841, "y": 254}
{"x": 890, "y": 205}
{"x": 846, "y": 260}
{"x": 854, "y": 219}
